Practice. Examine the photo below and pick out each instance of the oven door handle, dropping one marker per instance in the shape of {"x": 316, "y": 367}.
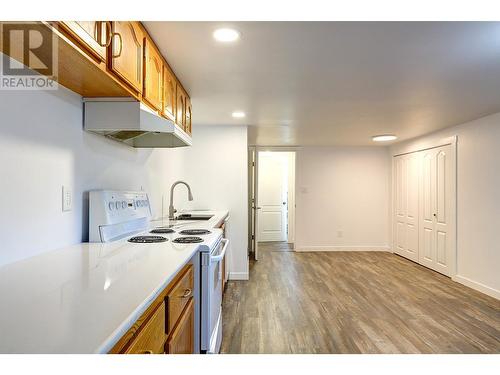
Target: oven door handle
{"x": 218, "y": 258}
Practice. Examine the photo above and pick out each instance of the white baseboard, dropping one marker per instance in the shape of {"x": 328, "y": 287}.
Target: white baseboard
{"x": 238, "y": 276}
{"x": 477, "y": 286}
{"x": 342, "y": 248}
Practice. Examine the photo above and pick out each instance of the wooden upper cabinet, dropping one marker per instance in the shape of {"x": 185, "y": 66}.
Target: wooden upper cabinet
{"x": 180, "y": 112}
{"x": 169, "y": 98}
{"x": 188, "y": 126}
{"x": 127, "y": 52}
{"x": 153, "y": 75}
{"x": 93, "y": 36}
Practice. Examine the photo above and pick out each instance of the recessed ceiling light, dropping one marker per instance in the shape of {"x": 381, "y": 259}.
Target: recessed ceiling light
{"x": 226, "y": 35}
{"x": 384, "y": 137}
{"x": 238, "y": 114}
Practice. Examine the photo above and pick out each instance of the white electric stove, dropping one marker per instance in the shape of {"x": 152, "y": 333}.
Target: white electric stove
{"x": 125, "y": 216}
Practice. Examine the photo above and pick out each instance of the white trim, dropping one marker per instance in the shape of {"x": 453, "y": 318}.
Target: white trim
{"x": 343, "y": 248}
{"x": 238, "y": 276}
{"x": 292, "y": 157}
{"x": 477, "y": 286}
{"x": 292, "y": 150}
{"x": 417, "y": 145}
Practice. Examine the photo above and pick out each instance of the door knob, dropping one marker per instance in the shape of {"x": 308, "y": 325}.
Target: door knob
{"x": 284, "y": 203}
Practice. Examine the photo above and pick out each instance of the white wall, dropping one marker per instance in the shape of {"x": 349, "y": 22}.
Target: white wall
{"x": 478, "y": 200}
{"x": 342, "y": 189}
{"x": 216, "y": 169}
{"x": 43, "y": 146}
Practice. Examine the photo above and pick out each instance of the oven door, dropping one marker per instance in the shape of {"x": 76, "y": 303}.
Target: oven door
{"x": 212, "y": 309}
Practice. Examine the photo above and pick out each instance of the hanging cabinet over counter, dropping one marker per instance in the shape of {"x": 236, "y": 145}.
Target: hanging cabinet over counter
{"x": 118, "y": 59}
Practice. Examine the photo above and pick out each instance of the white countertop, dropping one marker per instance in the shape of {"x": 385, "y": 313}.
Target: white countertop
{"x": 83, "y": 298}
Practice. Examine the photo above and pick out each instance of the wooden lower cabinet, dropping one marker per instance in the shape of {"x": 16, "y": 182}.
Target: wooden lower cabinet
{"x": 181, "y": 340}
{"x": 151, "y": 338}
{"x": 151, "y": 333}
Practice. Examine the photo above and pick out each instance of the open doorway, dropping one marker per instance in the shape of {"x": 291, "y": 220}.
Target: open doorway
{"x": 272, "y": 200}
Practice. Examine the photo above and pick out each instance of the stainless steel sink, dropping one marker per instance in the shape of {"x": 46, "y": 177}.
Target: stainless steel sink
{"x": 194, "y": 217}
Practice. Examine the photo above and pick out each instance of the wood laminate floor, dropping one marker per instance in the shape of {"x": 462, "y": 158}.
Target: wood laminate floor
{"x": 354, "y": 302}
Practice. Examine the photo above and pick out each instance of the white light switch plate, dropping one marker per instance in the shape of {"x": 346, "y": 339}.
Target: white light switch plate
{"x": 67, "y": 199}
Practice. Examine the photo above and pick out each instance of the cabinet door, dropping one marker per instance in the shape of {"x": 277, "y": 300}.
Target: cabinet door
{"x": 151, "y": 337}
{"x": 180, "y": 112}
{"x": 179, "y": 296}
{"x": 127, "y": 52}
{"x": 188, "y": 115}
{"x": 169, "y": 87}
{"x": 181, "y": 341}
{"x": 92, "y": 36}
{"x": 153, "y": 75}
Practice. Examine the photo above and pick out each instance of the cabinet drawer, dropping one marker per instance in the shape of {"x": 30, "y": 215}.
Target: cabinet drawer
{"x": 179, "y": 296}
{"x": 181, "y": 341}
{"x": 151, "y": 337}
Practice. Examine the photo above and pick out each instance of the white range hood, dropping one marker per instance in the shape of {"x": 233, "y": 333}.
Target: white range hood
{"x": 129, "y": 121}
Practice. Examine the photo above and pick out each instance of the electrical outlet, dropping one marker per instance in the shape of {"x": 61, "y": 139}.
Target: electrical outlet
{"x": 67, "y": 199}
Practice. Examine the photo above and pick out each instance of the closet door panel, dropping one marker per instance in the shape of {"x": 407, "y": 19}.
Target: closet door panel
{"x": 406, "y": 169}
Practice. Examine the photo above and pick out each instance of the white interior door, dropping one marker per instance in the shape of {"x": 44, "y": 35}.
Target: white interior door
{"x": 436, "y": 209}
{"x": 406, "y": 173}
{"x": 272, "y": 196}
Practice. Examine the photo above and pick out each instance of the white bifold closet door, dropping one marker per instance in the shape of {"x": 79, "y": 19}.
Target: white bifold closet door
{"x": 435, "y": 209}
{"x": 422, "y": 206}
{"x": 406, "y": 172}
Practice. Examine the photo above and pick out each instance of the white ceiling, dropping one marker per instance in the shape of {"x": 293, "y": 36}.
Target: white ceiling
{"x": 336, "y": 83}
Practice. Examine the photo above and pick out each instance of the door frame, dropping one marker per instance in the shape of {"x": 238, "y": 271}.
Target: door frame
{"x": 421, "y": 146}
{"x": 252, "y": 209}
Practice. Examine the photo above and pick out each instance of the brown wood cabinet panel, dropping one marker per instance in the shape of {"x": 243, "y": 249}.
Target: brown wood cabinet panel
{"x": 153, "y": 75}
{"x": 93, "y": 36}
{"x": 169, "y": 98}
{"x": 181, "y": 341}
{"x": 180, "y": 112}
{"x": 188, "y": 125}
{"x": 126, "y": 52}
{"x": 178, "y": 297}
{"x": 150, "y": 339}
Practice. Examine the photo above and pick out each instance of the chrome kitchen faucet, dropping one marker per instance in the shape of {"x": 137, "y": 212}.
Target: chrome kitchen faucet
{"x": 171, "y": 209}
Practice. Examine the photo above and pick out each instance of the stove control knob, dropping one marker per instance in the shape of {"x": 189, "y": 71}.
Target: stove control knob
{"x": 138, "y": 203}
{"x": 124, "y": 204}
{"x": 111, "y": 206}
{"x": 145, "y": 203}
{"x": 117, "y": 205}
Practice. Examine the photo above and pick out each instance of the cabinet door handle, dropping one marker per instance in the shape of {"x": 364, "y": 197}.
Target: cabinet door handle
{"x": 109, "y": 34}
{"x": 121, "y": 45}
{"x": 146, "y": 352}
{"x": 187, "y": 293}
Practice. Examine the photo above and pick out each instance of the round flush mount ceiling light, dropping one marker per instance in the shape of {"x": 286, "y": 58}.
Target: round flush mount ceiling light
{"x": 226, "y": 35}
{"x": 238, "y": 114}
{"x": 384, "y": 138}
